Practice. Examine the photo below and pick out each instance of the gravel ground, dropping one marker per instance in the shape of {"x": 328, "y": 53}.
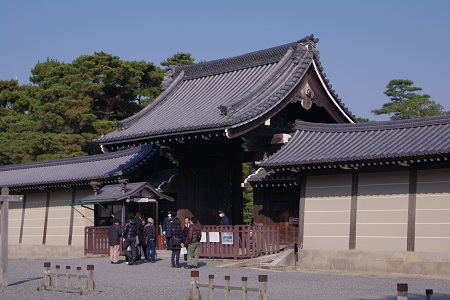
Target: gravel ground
{"x": 160, "y": 281}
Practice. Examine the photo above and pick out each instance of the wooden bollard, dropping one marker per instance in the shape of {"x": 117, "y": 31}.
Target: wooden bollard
{"x": 227, "y": 287}
{"x": 244, "y": 288}
{"x": 402, "y": 291}
{"x": 77, "y": 282}
{"x": 195, "y": 293}
{"x": 90, "y": 285}
{"x": 67, "y": 276}
{"x": 57, "y": 267}
{"x": 211, "y": 287}
{"x": 429, "y": 294}
{"x": 47, "y": 279}
{"x": 262, "y": 279}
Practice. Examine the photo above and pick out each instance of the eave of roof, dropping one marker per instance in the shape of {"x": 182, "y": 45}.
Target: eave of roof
{"x": 332, "y": 145}
{"x": 112, "y": 193}
{"x": 224, "y": 93}
{"x": 75, "y": 171}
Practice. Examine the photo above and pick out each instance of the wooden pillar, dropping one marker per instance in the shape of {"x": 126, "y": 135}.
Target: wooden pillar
{"x": 411, "y": 234}
{"x": 4, "y": 233}
{"x": 5, "y": 198}
{"x": 353, "y": 211}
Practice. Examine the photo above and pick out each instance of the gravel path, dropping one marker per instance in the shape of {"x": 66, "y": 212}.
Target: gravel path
{"x": 160, "y": 281}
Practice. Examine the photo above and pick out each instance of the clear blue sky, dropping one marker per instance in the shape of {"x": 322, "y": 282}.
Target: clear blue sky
{"x": 363, "y": 44}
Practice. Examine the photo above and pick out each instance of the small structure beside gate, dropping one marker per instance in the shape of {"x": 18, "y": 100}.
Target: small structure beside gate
{"x": 239, "y": 241}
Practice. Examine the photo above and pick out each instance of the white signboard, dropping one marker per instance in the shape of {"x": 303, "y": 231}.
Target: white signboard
{"x": 214, "y": 237}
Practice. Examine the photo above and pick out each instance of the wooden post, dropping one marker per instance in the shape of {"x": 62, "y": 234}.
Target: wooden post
{"x": 211, "y": 287}
{"x": 402, "y": 291}
{"x": 244, "y": 288}
{"x": 429, "y": 294}
{"x": 90, "y": 285}
{"x": 195, "y": 293}
{"x": 77, "y": 283}
{"x": 67, "y": 276}
{"x": 262, "y": 279}
{"x": 227, "y": 287}
{"x": 5, "y": 198}
{"x": 57, "y": 267}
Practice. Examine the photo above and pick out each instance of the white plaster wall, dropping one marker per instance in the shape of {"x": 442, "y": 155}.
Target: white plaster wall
{"x": 433, "y": 211}
{"x": 327, "y": 212}
{"x": 382, "y": 215}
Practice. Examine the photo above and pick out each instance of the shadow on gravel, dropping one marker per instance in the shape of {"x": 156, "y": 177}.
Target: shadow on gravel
{"x": 23, "y": 281}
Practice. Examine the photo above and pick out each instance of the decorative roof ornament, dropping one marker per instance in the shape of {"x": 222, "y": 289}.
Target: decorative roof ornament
{"x": 306, "y": 97}
{"x": 168, "y": 78}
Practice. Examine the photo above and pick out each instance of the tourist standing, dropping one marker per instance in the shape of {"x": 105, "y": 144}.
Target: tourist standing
{"x": 193, "y": 240}
{"x": 114, "y": 234}
{"x": 166, "y": 228}
{"x": 176, "y": 235}
{"x": 187, "y": 222}
{"x": 130, "y": 232}
{"x": 150, "y": 239}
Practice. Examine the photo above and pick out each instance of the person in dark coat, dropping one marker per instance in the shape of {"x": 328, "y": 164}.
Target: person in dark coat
{"x": 130, "y": 232}
{"x": 114, "y": 234}
{"x": 224, "y": 219}
{"x": 176, "y": 236}
{"x": 166, "y": 228}
{"x": 150, "y": 239}
{"x": 140, "y": 245}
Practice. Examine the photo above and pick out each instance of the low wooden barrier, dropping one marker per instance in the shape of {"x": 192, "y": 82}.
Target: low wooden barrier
{"x": 194, "y": 293}
{"x": 239, "y": 241}
{"x": 62, "y": 282}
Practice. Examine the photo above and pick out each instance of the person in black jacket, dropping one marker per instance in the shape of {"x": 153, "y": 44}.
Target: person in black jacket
{"x": 114, "y": 234}
{"x": 150, "y": 239}
{"x": 130, "y": 232}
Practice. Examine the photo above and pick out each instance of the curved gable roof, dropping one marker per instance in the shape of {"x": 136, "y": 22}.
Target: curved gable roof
{"x": 320, "y": 144}
{"x": 74, "y": 171}
{"x": 221, "y": 94}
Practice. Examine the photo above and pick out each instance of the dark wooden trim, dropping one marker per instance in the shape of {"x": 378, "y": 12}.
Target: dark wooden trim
{"x": 411, "y": 235}
{"x": 47, "y": 204}
{"x": 72, "y": 210}
{"x": 353, "y": 211}
{"x": 301, "y": 215}
{"x": 22, "y": 221}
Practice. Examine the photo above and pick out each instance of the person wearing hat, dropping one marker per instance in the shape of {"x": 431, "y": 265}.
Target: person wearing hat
{"x": 114, "y": 234}
{"x": 167, "y": 225}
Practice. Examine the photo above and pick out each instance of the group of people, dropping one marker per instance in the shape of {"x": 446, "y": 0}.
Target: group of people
{"x": 140, "y": 236}
{"x": 187, "y": 237}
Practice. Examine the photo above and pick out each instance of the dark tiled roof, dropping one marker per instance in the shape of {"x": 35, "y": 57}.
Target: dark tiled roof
{"x": 222, "y": 94}
{"x": 319, "y": 144}
{"x": 272, "y": 176}
{"x": 76, "y": 170}
{"x": 113, "y": 192}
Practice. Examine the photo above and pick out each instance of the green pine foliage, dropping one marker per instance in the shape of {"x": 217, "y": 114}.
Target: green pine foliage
{"x": 405, "y": 103}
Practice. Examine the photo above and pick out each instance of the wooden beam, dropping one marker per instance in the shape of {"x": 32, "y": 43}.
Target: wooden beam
{"x": 411, "y": 233}
{"x": 353, "y": 211}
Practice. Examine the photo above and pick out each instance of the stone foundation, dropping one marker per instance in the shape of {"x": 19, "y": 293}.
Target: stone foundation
{"x": 44, "y": 251}
{"x": 411, "y": 263}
